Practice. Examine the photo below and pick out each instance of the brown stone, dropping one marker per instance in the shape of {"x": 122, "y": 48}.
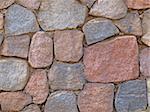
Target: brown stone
{"x": 112, "y": 61}
{"x": 37, "y": 86}
{"x": 96, "y": 97}
{"x": 89, "y": 3}
{"x": 41, "y": 50}
{"x": 6, "y": 3}
{"x": 16, "y": 46}
{"x": 31, "y": 108}
{"x": 14, "y": 101}
{"x": 68, "y": 45}
{"x": 1, "y": 21}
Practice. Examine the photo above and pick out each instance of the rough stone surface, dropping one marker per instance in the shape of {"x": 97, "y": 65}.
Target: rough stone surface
{"x": 148, "y": 90}
{"x": 66, "y": 76}
{"x": 61, "y": 100}
{"x": 1, "y": 38}
{"x": 99, "y": 29}
{"x": 89, "y": 3}
{"x": 96, "y": 97}
{"x": 16, "y": 46}
{"x": 109, "y": 9}
{"x": 145, "y": 62}
{"x": 68, "y": 45}
{"x": 1, "y": 21}
{"x": 59, "y": 14}
{"x": 31, "y": 108}
{"x": 19, "y": 20}
{"x": 37, "y": 86}
{"x": 131, "y": 24}
{"x": 112, "y": 61}
{"x": 41, "y": 50}
{"x": 13, "y": 74}
{"x": 14, "y": 101}
{"x": 131, "y": 96}
{"x": 6, "y": 3}
{"x": 138, "y": 4}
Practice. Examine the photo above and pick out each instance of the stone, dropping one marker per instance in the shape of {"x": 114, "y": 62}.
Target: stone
{"x": 14, "y": 101}
{"x": 138, "y": 4}
{"x": 144, "y": 62}
{"x": 66, "y": 76}
{"x": 19, "y": 20}
{"x": 148, "y": 90}
{"x": 16, "y": 46}
{"x": 68, "y": 45}
{"x": 114, "y": 60}
{"x": 66, "y": 101}
{"x": 95, "y": 97}
{"x": 130, "y": 24}
{"x": 59, "y": 14}
{"x": 6, "y": 3}
{"x": 41, "y": 50}
{"x": 13, "y": 74}
{"x": 31, "y": 108}
{"x": 89, "y": 3}
{"x": 1, "y": 38}
{"x": 146, "y": 39}
{"x": 31, "y": 4}
{"x": 131, "y": 96}
{"x": 1, "y": 21}
{"x": 109, "y": 9}
{"x": 99, "y": 29}
{"x": 37, "y": 86}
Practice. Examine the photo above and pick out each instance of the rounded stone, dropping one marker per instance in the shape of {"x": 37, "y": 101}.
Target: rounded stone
{"x": 31, "y": 108}
{"x": 6, "y": 3}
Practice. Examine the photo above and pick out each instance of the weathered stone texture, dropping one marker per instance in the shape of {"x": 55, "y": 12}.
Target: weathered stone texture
{"x": 31, "y": 108}
{"x": 6, "y": 3}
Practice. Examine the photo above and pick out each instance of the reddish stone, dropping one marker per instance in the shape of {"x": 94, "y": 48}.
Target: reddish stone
{"x": 68, "y": 45}
{"x": 112, "y": 61}
{"x": 96, "y": 97}
{"x": 41, "y": 50}
{"x": 37, "y": 86}
{"x": 14, "y": 101}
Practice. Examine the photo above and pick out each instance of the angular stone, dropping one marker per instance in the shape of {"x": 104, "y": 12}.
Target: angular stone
{"x": 31, "y": 4}
{"x": 96, "y": 97}
{"x": 145, "y": 62}
{"x": 66, "y": 101}
{"x": 37, "y": 86}
{"x": 59, "y": 14}
{"x": 66, "y": 76}
{"x": 13, "y": 74}
{"x": 89, "y": 3}
{"x": 115, "y": 60}
{"x": 109, "y": 9}
{"x": 16, "y": 46}
{"x": 1, "y": 21}
{"x": 131, "y": 96}
{"x": 14, "y": 101}
{"x": 19, "y": 20}
{"x": 131, "y": 24}
{"x": 138, "y": 4}
{"x": 31, "y": 108}
{"x": 68, "y": 45}
{"x": 6, "y": 3}
{"x": 99, "y": 29}
{"x": 41, "y": 50}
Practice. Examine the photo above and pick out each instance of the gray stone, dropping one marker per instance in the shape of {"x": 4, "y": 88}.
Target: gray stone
{"x": 131, "y": 96}
{"x": 99, "y": 29}
{"x": 13, "y": 74}
{"x": 61, "y": 101}
{"x": 59, "y": 14}
{"x": 1, "y": 38}
{"x": 31, "y": 108}
{"x": 89, "y": 3}
{"x": 19, "y": 20}
{"x": 6, "y": 3}
{"x": 66, "y": 76}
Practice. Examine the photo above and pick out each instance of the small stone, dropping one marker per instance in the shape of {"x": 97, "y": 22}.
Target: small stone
{"x": 37, "y": 86}
{"x": 66, "y": 76}
{"x": 31, "y": 4}
{"x": 1, "y": 38}
{"x": 14, "y": 101}
{"x": 145, "y": 62}
{"x": 41, "y": 50}
{"x": 31, "y": 108}
{"x": 109, "y": 9}
{"x": 115, "y": 60}
{"x": 13, "y": 74}
{"x": 131, "y": 24}
{"x": 16, "y": 46}
{"x": 99, "y": 29}
{"x": 6, "y": 3}
{"x": 66, "y": 101}
{"x": 19, "y": 20}
{"x": 148, "y": 91}
{"x": 131, "y": 96}
{"x": 68, "y": 45}
{"x": 138, "y": 4}
{"x": 89, "y": 3}
{"x": 59, "y": 14}
{"x": 1, "y": 21}
{"x": 95, "y": 97}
